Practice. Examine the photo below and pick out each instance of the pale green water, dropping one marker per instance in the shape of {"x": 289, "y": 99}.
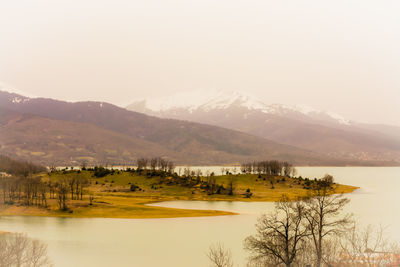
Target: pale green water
{"x": 185, "y": 241}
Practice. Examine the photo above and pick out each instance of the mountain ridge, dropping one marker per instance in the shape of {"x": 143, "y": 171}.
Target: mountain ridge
{"x": 320, "y": 131}
{"x": 29, "y": 123}
{"x": 209, "y": 100}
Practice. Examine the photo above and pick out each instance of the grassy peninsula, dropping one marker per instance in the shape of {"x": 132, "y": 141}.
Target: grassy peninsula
{"x": 105, "y": 193}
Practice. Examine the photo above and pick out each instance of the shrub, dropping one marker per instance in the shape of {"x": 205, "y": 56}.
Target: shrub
{"x": 248, "y": 193}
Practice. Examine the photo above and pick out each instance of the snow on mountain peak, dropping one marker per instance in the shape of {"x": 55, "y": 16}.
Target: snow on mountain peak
{"x": 200, "y": 99}
{"x": 338, "y": 118}
{"x": 208, "y": 100}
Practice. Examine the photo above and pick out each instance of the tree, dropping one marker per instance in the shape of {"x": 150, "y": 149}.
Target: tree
{"x": 219, "y": 256}
{"x": 322, "y": 215}
{"x": 231, "y": 185}
{"x": 279, "y": 235}
{"x": 211, "y": 183}
{"x": 71, "y": 182}
{"x": 83, "y": 165}
{"x": 171, "y": 167}
{"x": 326, "y": 181}
{"x": 62, "y": 190}
{"x": 19, "y": 250}
{"x": 142, "y": 164}
{"x": 91, "y": 199}
{"x": 287, "y": 169}
{"x": 368, "y": 245}
{"x": 153, "y": 163}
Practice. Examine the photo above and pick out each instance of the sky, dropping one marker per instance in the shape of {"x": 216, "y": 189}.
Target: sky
{"x": 342, "y": 56}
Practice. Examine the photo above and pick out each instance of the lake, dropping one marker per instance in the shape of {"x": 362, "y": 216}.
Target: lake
{"x": 185, "y": 241}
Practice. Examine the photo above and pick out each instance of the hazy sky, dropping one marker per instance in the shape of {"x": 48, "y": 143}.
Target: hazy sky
{"x": 342, "y": 56}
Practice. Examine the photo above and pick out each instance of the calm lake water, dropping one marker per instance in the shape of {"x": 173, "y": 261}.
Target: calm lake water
{"x": 185, "y": 241}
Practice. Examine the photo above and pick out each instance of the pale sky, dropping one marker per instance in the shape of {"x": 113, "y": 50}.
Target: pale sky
{"x": 340, "y": 55}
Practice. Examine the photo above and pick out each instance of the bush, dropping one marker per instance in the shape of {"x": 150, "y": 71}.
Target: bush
{"x": 248, "y": 193}
{"x": 101, "y": 171}
{"x": 134, "y": 187}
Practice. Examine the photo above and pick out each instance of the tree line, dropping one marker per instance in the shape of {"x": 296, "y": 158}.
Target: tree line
{"x": 269, "y": 167}
{"x": 17, "y": 167}
{"x": 154, "y": 164}
{"x": 35, "y": 191}
{"x": 142, "y": 164}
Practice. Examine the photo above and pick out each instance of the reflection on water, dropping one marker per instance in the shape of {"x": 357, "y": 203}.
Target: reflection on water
{"x": 184, "y": 241}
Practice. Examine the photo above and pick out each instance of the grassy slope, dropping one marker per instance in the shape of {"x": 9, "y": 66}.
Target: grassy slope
{"x": 114, "y": 200}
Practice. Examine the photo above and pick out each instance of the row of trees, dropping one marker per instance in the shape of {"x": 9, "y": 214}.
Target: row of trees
{"x": 35, "y": 190}
{"x": 154, "y": 164}
{"x": 71, "y": 187}
{"x": 24, "y": 190}
{"x": 269, "y": 167}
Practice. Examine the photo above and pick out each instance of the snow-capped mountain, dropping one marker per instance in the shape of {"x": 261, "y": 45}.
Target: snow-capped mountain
{"x": 321, "y": 131}
{"x": 207, "y": 101}
{"x": 197, "y": 100}
{"x": 99, "y": 132}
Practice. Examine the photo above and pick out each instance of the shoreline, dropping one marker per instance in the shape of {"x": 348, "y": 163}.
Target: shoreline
{"x": 134, "y": 207}
{"x": 126, "y": 194}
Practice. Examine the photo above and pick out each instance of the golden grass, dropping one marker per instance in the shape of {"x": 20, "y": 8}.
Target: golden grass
{"x": 114, "y": 200}
{"x": 108, "y": 207}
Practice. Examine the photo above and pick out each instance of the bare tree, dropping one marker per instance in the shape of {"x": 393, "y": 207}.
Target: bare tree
{"x": 219, "y": 256}
{"x": 71, "y": 182}
{"x": 231, "y": 184}
{"x": 62, "y": 190}
{"x": 171, "y": 167}
{"x": 368, "y": 246}
{"x": 142, "y": 164}
{"x": 323, "y": 217}
{"x": 279, "y": 235}
{"x": 19, "y": 250}
{"x": 211, "y": 183}
{"x": 287, "y": 169}
{"x": 153, "y": 163}
{"x": 91, "y": 199}
{"x": 83, "y": 165}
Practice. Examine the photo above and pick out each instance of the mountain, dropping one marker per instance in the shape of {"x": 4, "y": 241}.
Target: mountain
{"x": 49, "y": 131}
{"x": 59, "y": 142}
{"x": 208, "y": 101}
{"x": 323, "y": 132}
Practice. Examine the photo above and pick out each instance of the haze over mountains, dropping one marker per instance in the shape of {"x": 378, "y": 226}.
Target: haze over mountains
{"x": 323, "y": 132}
{"x": 49, "y": 131}
{"x": 57, "y": 132}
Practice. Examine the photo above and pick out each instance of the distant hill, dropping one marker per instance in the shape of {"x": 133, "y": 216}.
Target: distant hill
{"x": 56, "y": 132}
{"x": 323, "y": 132}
